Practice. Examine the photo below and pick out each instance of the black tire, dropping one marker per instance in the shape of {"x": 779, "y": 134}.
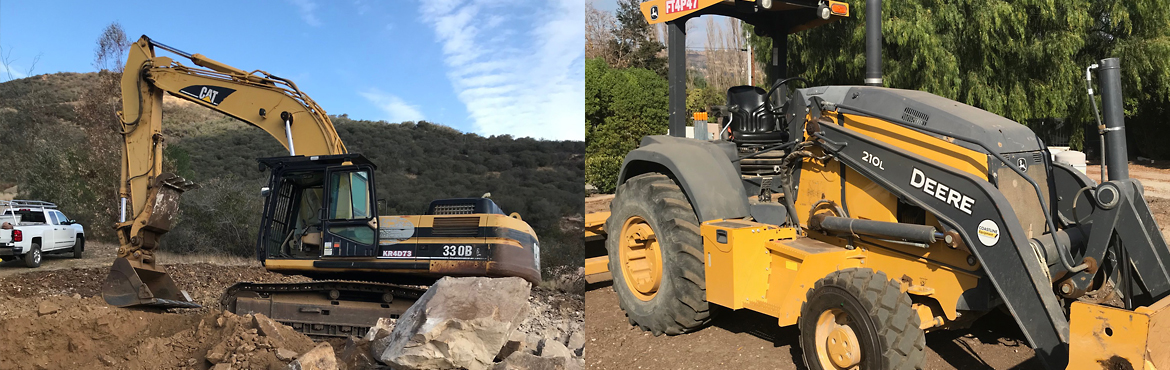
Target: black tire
{"x": 680, "y": 303}
{"x": 881, "y": 316}
{"x": 32, "y": 258}
{"x": 79, "y": 246}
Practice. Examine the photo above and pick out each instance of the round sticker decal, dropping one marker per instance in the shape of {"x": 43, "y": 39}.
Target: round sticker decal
{"x": 394, "y": 230}
{"x": 988, "y": 233}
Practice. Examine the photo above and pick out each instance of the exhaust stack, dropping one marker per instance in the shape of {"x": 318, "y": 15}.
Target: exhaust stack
{"x": 873, "y": 42}
{"x": 1116, "y": 153}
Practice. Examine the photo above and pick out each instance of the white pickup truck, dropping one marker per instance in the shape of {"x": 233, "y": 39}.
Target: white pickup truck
{"x": 29, "y": 229}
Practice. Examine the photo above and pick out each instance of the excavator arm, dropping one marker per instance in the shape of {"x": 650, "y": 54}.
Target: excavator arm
{"x": 149, "y": 197}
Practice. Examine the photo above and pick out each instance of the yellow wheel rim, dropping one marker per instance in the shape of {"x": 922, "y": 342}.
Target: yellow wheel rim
{"x": 837, "y": 344}
{"x": 641, "y": 259}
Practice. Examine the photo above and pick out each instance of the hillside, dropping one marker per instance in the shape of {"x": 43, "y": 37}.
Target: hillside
{"x": 53, "y": 148}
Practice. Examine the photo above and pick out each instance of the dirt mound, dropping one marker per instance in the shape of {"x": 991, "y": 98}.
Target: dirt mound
{"x": 245, "y": 342}
{"x": 71, "y": 332}
{"x": 84, "y": 333}
{"x": 49, "y": 325}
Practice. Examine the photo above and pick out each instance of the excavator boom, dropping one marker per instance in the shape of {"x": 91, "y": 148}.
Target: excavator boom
{"x": 150, "y": 197}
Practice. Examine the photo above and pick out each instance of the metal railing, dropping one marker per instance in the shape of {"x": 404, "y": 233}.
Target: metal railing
{"x": 17, "y": 203}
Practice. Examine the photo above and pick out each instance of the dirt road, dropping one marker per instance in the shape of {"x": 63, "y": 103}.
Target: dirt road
{"x": 747, "y": 340}
{"x": 102, "y": 254}
{"x": 1155, "y": 177}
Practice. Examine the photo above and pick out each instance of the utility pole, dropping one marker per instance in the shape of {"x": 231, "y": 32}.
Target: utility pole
{"x": 751, "y": 82}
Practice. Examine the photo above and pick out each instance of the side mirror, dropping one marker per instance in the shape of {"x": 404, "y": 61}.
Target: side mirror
{"x": 264, "y": 191}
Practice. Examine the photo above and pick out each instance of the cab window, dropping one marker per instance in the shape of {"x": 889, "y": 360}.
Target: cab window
{"x": 351, "y": 196}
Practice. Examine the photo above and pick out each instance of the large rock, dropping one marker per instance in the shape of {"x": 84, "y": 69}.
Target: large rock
{"x": 267, "y": 327}
{"x": 458, "y": 323}
{"x": 514, "y": 344}
{"x": 47, "y": 308}
{"x": 320, "y": 357}
{"x": 355, "y": 355}
{"x": 554, "y": 348}
{"x": 381, "y": 329}
{"x": 527, "y": 361}
{"x": 577, "y": 343}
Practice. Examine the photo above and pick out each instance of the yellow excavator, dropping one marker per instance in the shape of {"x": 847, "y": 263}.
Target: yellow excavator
{"x": 320, "y": 212}
{"x": 867, "y": 216}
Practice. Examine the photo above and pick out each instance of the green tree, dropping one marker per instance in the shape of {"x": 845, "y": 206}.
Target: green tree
{"x": 621, "y": 106}
{"x": 1023, "y": 59}
{"x": 701, "y": 95}
{"x": 633, "y": 42}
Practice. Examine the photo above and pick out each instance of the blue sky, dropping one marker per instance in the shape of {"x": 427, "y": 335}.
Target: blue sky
{"x": 486, "y": 66}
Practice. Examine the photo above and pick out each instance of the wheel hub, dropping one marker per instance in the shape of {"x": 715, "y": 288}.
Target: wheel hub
{"x": 837, "y": 344}
{"x": 640, "y": 258}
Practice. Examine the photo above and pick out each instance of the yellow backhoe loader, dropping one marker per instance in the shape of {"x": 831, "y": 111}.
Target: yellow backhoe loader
{"x": 320, "y": 213}
{"x": 867, "y": 216}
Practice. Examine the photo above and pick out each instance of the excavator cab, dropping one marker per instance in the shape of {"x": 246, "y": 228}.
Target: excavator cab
{"x": 318, "y": 206}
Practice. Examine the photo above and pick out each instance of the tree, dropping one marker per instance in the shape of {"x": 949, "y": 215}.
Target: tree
{"x": 112, "y": 45}
{"x": 634, "y": 44}
{"x": 1023, "y": 60}
{"x": 6, "y": 61}
{"x": 621, "y": 106}
{"x": 599, "y": 28}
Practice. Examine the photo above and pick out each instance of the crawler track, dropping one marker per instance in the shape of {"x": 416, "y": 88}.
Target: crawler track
{"x": 323, "y": 308}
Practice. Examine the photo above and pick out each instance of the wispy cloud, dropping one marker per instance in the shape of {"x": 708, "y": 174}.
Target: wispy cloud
{"x": 518, "y": 67}
{"x": 11, "y": 72}
{"x": 362, "y": 6}
{"x": 308, "y": 10}
{"x": 396, "y": 109}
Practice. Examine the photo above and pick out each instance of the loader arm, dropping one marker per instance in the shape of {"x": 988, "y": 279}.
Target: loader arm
{"x": 149, "y": 197}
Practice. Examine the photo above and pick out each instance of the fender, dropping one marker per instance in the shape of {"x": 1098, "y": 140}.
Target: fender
{"x": 703, "y": 169}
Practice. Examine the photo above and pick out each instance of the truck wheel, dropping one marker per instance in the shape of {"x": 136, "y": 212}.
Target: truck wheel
{"x": 858, "y": 318}
{"x": 655, "y": 255}
{"x": 33, "y": 257}
{"x": 79, "y": 246}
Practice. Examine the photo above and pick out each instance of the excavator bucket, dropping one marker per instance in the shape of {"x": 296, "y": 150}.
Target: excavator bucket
{"x": 140, "y": 281}
{"x": 129, "y": 286}
{"x": 1103, "y": 337}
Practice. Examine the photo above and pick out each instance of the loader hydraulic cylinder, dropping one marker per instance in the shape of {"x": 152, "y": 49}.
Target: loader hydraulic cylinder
{"x": 1116, "y": 154}
{"x": 887, "y": 230}
{"x": 873, "y": 42}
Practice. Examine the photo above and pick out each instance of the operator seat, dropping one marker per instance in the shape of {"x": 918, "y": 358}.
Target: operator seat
{"x": 752, "y": 122}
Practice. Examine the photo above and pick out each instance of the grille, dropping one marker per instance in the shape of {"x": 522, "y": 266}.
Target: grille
{"x": 455, "y": 209}
{"x": 913, "y": 116}
{"x": 1020, "y": 194}
{"x": 456, "y": 226}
